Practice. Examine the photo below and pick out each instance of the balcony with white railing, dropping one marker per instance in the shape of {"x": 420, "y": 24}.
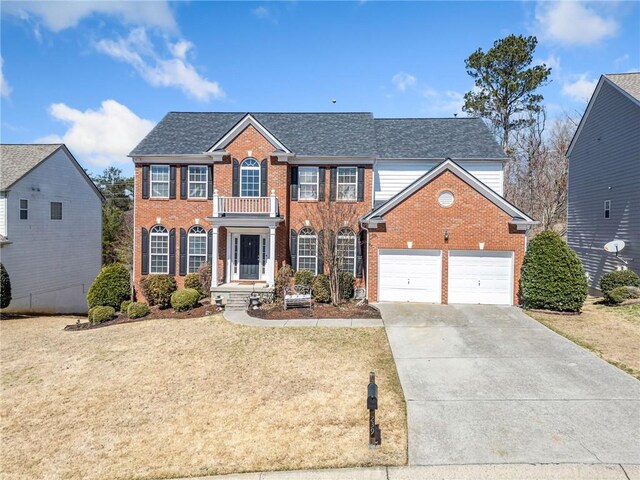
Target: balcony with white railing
{"x": 239, "y": 206}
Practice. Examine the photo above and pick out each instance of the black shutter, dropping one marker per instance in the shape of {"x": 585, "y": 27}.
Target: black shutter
{"x": 210, "y": 182}
{"x": 294, "y": 183}
{"x": 294, "y": 250}
{"x": 321, "y": 184}
{"x": 359, "y": 242}
{"x": 145, "y": 251}
{"x": 320, "y": 259}
{"x": 183, "y": 252}
{"x": 263, "y": 178}
{"x": 184, "y": 185}
{"x": 235, "y": 189}
{"x": 210, "y": 247}
{"x": 361, "y": 184}
{"x": 333, "y": 180}
{"x": 172, "y": 181}
{"x": 145, "y": 181}
{"x": 172, "y": 251}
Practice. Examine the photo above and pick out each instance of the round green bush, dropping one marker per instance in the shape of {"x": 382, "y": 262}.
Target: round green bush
{"x": 320, "y": 289}
{"x": 111, "y": 287}
{"x": 5, "y": 287}
{"x": 192, "y": 280}
{"x": 620, "y": 294}
{"x": 346, "y": 285}
{"x": 138, "y": 310}
{"x": 303, "y": 277}
{"x": 157, "y": 289}
{"x": 552, "y": 275}
{"x": 618, "y": 278}
{"x": 101, "y": 314}
{"x": 185, "y": 299}
{"x": 124, "y": 305}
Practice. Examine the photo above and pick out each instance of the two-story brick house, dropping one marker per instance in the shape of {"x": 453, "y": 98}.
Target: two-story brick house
{"x": 243, "y": 192}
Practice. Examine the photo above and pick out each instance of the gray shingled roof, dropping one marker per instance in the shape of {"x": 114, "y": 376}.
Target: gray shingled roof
{"x": 329, "y": 134}
{"x": 18, "y": 160}
{"x": 629, "y": 82}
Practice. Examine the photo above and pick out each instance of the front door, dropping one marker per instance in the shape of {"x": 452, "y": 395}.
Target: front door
{"x": 249, "y": 257}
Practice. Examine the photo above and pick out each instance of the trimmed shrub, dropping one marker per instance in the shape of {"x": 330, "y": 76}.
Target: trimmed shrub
{"x": 138, "y": 310}
{"x": 303, "y": 277}
{"x": 157, "y": 289}
{"x": 618, "y": 278}
{"x": 185, "y": 299}
{"x": 192, "y": 280}
{"x": 346, "y": 285}
{"x": 124, "y": 305}
{"x": 283, "y": 279}
{"x": 620, "y": 294}
{"x": 111, "y": 287}
{"x": 90, "y": 313}
{"x": 552, "y": 275}
{"x": 321, "y": 289}
{"x": 101, "y": 314}
{"x": 5, "y": 287}
{"x": 204, "y": 272}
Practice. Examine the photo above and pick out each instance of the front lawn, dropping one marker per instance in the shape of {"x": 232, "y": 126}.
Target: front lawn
{"x": 170, "y": 398}
{"x": 611, "y": 332}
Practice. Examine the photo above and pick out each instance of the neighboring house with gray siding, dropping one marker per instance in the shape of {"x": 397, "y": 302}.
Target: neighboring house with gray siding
{"x": 604, "y": 177}
{"x": 50, "y": 227}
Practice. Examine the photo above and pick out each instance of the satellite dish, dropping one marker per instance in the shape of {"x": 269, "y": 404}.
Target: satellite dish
{"x": 614, "y": 246}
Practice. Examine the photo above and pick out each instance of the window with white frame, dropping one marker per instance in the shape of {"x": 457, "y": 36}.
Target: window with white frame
{"x": 159, "y": 181}
{"x": 347, "y": 183}
{"x": 250, "y": 178}
{"x": 24, "y": 209}
{"x": 346, "y": 250}
{"x": 307, "y": 250}
{"x": 159, "y": 249}
{"x": 56, "y": 210}
{"x": 607, "y": 208}
{"x": 196, "y": 248}
{"x": 308, "y": 183}
{"x": 198, "y": 181}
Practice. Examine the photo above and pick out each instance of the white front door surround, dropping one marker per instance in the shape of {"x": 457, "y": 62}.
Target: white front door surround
{"x": 234, "y": 256}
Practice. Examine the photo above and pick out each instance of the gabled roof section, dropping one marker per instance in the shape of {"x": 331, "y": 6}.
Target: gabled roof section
{"x": 240, "y": 126}
{"x": 518, "y": 216}
{"x": 432, "y": 138}
{"x": 629, "y": 82}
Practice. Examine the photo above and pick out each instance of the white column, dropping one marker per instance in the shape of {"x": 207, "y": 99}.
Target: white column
{"x": 214, "y": 257}
{"x": 273, "y": 203}
{"x": 216, "y": 203}
{"x": 271, "y": 261}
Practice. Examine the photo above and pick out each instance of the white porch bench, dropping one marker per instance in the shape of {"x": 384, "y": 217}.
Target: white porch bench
{"x": 298, "y": 296}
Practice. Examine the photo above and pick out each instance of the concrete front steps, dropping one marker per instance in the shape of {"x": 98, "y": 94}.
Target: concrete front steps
{"x": 235, "y": 295}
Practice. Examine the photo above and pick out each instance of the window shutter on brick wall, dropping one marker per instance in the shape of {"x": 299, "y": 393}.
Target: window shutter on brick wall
{"x": 294, "y": 183}
{"x": 333, "y": 180}
{"x": 361, "y": 184}
{"x": 145, "y": 251}
{"x": 263, "y": 178}
{"x": 321, "y": 184}
{"x": 210, "y": 182}
{"x": 235, "y": 188}
{"x": 145, "y": 181}
{"x": 210, "y": 247}
{"x": 183, "y": 252}
{"x": 359, "y": 242}
{"x": 172, "y": 251}
{"x": 184, "y": 185}
{"x": 320, "y": 258}
{"x": 294, "y": 249}
{"x": 172, "y": 181}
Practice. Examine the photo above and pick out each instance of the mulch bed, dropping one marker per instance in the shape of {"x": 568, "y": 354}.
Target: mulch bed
{"x": 319, "y": 310}
{"x": 204, "y": 309}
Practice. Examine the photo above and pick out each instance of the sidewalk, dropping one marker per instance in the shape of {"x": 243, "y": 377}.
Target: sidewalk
{"x": 241, "y": 317}
{"x": 454, "y": 472}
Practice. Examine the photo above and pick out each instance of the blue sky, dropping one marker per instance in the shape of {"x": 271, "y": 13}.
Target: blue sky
{"x": 99, "y": 75}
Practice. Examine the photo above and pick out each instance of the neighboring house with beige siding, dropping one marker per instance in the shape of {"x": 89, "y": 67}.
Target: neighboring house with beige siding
{"x": 51, "y": 227}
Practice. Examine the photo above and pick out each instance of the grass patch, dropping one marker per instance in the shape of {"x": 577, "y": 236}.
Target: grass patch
{"x": 191, "y": 397}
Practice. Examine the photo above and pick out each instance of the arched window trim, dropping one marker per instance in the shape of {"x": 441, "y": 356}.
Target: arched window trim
{"x": 307, "y": 234}
{"x": 158, "y": 249}
{"x": 196, "y": 232}
{"x": 250, "y": 165}
{"x": 347, "y": 233}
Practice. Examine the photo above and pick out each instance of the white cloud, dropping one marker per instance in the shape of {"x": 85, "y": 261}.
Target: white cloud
{"x": 443, "y": 103}
{"x": 403, "y": 81}
{"x": 580, "y": 89}
{"x": 573, "y": 23}
{"x": 100, "y": 137}
{"x": 58, "y": 16}
{"x": 552, "y": 61}
{"x": 261, "y": 12}
{"x": 5, "y": 88}
{"x": 138, "y": 51}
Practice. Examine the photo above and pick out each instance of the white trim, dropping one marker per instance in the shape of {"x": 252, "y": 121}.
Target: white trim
{"x": 317, "y": 160}
{"x": 455, "y": 159}
{"x": 355, "y": 247}
{"x": 411, "y": 251}
{"x": 240, "y": 222}
{"x": 263, "y": 233}
{"x": 205, "y": 181}
{"x": 315, "y": 257}
{"x": 317, "y": 170}
{"x": 206, "y": 246}
{"x": 258, "y": 168}
{"x": 175, "y": 158}
{"x": 20, "y": 209}
{"x": 239, "y": 127}
{"x": 151, "y": 254}
{"x": 338, "y": 183}
{"x": 485, "y": 253}
{"x": 151, "y": 181}
{"x": 606, "y": 210}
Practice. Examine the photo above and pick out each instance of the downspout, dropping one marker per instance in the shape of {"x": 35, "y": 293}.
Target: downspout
{"x": 366, "y": 281}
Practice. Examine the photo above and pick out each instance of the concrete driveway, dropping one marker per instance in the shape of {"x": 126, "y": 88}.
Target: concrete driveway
{"x": 488, "y": 384}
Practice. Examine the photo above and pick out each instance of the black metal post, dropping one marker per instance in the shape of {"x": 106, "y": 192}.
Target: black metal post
{"x": 372, "y": 405}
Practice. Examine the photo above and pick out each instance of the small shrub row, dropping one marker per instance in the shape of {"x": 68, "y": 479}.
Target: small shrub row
{"x": 620, "y": 294}
{"x": 615, "y": 281}
{"x": 101, "y": 313}
{"x": 137, "y": 310}
{"x": 185, "y": 299}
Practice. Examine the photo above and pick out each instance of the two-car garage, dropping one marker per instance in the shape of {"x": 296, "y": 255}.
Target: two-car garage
{"x": 474, "y": 276}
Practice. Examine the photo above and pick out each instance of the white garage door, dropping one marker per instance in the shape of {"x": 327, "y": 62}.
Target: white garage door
{"x": 408, "y": 275}
{"x": 483, "y": 277}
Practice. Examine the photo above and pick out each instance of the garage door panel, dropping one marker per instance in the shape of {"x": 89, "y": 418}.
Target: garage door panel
{"x": 481, "y": 277}
{"x": 409, "y": 275}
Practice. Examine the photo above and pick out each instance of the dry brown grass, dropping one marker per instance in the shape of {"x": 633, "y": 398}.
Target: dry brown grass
{"x": 169, "y": 398}
{"x": 611, "y": 332}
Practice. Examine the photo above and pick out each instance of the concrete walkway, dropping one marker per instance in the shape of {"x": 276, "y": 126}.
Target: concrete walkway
{"x": 242, "y": 318}
{"x": 490, "y": 385}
